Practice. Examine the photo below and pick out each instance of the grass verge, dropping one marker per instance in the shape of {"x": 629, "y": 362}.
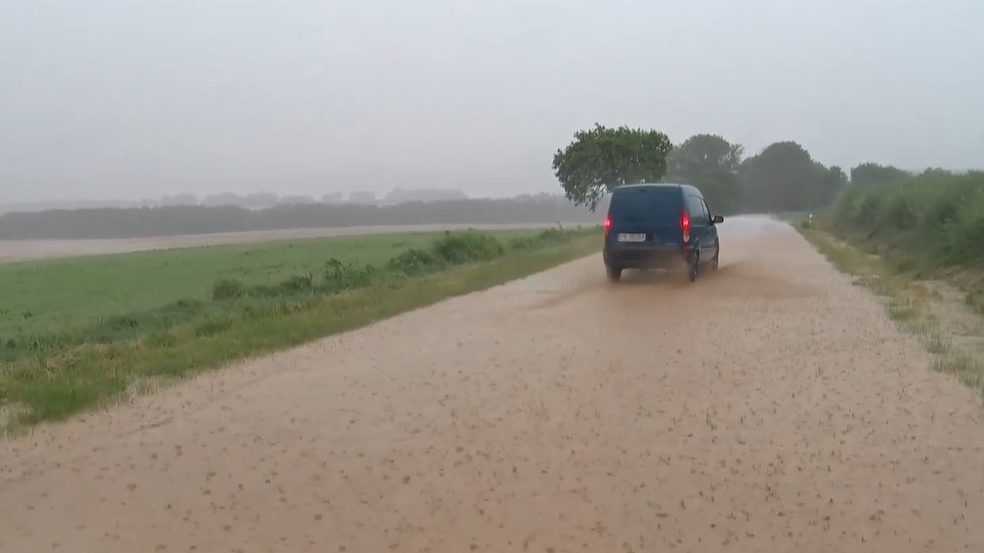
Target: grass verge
{"x": 916, "y": 305}
{"x": 58, "y": 296}
{"x": 240, "y": 322}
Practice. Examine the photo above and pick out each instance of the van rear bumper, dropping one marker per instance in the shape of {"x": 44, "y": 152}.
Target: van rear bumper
{"x": 638, "y": 256}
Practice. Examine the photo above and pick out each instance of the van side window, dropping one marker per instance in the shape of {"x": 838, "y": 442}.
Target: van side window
{"x": 695, "y": 209}
{"x": 707, "y": 211}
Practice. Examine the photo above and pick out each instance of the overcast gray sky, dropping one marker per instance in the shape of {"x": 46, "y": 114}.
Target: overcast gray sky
{"x": 126, "y": 99}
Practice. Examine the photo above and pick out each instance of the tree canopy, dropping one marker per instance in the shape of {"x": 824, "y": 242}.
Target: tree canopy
{"x": 873, "y": 173}
{"x": 711, "y": 163}
{"x": 601, "y": 158}
{"x": 784, "y": 177}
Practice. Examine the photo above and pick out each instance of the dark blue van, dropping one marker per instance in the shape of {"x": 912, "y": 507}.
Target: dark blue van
{"x": 660, "y": 226}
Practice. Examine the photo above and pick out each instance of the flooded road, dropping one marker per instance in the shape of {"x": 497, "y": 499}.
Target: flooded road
{"x": 771, "y": 406}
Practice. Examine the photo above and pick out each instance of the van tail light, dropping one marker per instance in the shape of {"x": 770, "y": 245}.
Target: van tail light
{"x": 607, "y": 225}
{"x": 685, "y": 226}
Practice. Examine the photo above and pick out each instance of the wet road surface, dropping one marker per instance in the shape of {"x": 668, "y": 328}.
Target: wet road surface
{"x": 769, "y": 407}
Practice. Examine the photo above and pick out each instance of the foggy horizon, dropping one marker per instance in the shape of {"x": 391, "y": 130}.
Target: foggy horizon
{"x": 111, "y": 101}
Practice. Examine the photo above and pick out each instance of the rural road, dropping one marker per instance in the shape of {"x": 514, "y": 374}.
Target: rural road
{"x": 770, "y": 407}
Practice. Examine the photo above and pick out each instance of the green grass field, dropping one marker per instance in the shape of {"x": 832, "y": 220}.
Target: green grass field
{"x": 75, "y": 333}
{"x": 55, "y": 295}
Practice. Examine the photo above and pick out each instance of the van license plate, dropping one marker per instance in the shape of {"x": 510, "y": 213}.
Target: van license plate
{"x": 632, "y": 237}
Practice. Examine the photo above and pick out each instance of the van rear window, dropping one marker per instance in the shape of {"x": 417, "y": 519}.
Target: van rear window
{"x": 646, "y": 204}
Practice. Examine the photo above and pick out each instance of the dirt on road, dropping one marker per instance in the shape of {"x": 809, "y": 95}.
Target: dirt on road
{"x": 769, "y": 407}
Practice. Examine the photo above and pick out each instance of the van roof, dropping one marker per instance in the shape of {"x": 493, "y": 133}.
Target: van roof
{"x": 687, "y": 187}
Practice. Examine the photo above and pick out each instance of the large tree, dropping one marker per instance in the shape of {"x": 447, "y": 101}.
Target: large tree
{"x": 711, "y": 163}
{"x": 600, "y": 159}
{"x": 785, "y": 178}
{"x": 834, "y": 180}
{"x": 873, "y": 173}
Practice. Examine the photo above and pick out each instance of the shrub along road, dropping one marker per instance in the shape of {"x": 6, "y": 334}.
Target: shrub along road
{"x": 782, "y": 411}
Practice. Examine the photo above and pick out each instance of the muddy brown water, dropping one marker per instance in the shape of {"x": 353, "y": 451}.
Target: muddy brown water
{"x": 769, "y": 407}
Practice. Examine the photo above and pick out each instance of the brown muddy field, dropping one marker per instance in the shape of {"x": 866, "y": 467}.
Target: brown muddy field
{"x": 769, "y": 407}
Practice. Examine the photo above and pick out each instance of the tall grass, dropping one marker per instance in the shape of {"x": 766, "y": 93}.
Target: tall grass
{"x": 929, "y": 226}
{"x": 926, "y": 221}
{"x": 909, "y": 304}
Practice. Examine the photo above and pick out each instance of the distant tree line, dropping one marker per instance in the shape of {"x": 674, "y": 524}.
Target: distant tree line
{"x": 262, "y": 200}
{"x": 197, "y": 219}
{"x": 259, "y": 200}
{"x": 782, "y": 177}
{"x": 871, "y": 174}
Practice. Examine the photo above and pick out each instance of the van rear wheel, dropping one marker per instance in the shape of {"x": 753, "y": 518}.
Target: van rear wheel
{"x": 693, "y": 267}
{"x": 614, "y": 273}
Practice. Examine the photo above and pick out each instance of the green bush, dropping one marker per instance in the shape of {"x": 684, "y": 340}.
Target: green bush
{"x": 965, "y": 236}
{"x": 937, "y": 216}
{"x": 265, "y": 291}
{"x": 467, "y": 247}
{"x": 523, "y": 243}
{"x": 845, "y": 210}
{"x": 944, "y": 211}
{"x": 414, "y": 262}
{"x": 227, "y": 289}
{"x": 120, "y": 328}
{"x": 341, "y": 276}
{"x": 900, "y": 213}
{"x": 297, "y": 284}
{"x": 869, "y": 209}
{"x": 550, "y": 236}
{"x": 555, "y": 235}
